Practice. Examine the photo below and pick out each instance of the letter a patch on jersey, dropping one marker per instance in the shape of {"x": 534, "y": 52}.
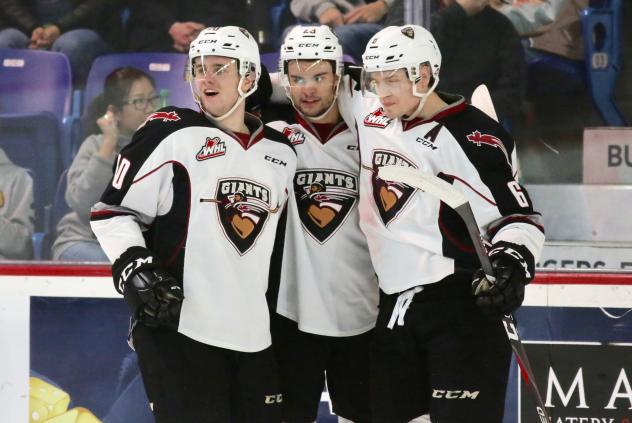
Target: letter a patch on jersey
{"x": 243, "y": 207}
{"x": 324, "y": 198}
{"x": 390, "y": 197}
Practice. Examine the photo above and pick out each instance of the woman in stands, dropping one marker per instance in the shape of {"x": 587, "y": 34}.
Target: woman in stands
{"x": 129, "y": 96}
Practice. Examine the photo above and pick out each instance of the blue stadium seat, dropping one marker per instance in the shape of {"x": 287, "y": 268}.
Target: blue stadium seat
{"x": 280, "y": 17}
{"x": 31, "y": 140}
{"x": 601, "y": 29}
{"x": 33, "y": 81}
{"x": 167, "y": 69}
{"x": 42, "y": 241}
{"x": 598, "y": 72}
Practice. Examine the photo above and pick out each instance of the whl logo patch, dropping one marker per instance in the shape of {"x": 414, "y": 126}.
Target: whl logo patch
{"x": 213, "y": 147}
{"x": 324, "y": 198}
{"x": 243, "y": 207}
{"x": 294, "y": 135}
{"x": 377, "y": 119}
{"x": 390, "y": 197}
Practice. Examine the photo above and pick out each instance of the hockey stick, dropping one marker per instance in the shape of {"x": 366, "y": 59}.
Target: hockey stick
{"x": 482, "y": 100}
{"x": 451, "y": 196}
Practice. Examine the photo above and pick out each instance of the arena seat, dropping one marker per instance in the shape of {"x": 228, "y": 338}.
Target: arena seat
{"x": 601, "y": 29}
{"x": 31, "y": 140}
{"x": 598, "y": 72}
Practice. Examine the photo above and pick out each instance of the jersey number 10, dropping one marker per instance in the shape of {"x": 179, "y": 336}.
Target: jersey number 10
{"x": 122, "y": 166}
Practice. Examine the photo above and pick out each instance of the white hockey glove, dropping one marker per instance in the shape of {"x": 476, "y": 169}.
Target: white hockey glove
{"x": 153, "y": 296}
{"x": 513, "y": 268}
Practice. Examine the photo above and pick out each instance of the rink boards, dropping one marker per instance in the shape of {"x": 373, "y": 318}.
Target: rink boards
{"x": 66, "y": 327}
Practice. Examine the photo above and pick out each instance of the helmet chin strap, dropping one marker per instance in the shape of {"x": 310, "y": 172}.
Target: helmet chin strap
{"x": 211, "y": 116}
{"x": 422, "y": 99}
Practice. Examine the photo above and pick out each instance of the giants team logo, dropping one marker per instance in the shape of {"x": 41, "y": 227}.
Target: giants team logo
{"x": 324, "y": 199}
{"x": 390, "y": 197}
{"x": 213, "y": 147}
{"x": 294, "y": 135}
{"x": 377, "y": 119}
{"x": 243, "y": 208}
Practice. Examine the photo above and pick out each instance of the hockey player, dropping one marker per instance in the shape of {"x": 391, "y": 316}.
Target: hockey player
{"x": 327, "y": 302}
{"x": 438, "y": 347}
{"x": 189, "y": 221}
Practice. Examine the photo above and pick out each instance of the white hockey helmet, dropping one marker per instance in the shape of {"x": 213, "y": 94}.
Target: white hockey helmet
{"x": 404, "y": 47}
{"x": 407, "y": 46}
{"x": 227, "y": 41}
{"x": 311, "y": 43}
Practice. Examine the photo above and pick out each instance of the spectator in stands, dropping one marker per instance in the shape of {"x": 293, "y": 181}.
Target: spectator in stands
{"x": 16, "y": 211}
{"x": 81, "y": 29}
{"x": 129, "y": 96}
{"x": 353, "y": 21}
{"x": 480, "y": 46}
{"x": 166, "y": 25}
{"x": 553, "y": 26}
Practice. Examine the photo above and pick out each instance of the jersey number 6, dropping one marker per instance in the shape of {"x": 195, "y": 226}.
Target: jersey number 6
{"x": 516, "y": 190}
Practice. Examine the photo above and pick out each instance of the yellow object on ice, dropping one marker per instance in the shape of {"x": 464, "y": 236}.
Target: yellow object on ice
{"x": 76, "y": 415}
{"x": 45, "y": 400}
{"x": 49, "y": 404}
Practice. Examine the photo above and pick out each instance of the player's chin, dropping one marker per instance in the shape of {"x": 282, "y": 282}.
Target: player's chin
{"x": 312, "y": 111}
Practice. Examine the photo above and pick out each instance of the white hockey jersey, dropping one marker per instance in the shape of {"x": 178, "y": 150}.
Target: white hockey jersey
{"x": 413, "y": 238}
{"x": 207, "y": 204}
{"x": 328, "y": 285}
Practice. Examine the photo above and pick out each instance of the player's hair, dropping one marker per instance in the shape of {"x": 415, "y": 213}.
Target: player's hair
{"x": 115, "y": 91}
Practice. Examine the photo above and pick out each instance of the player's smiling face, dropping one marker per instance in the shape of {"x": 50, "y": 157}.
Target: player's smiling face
{"x": 216, "y": 80}
{"x": 312, "y": 86}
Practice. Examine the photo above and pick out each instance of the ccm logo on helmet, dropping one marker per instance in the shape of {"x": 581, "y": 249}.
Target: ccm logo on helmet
{"x": 308, "y": 45}
{"x": 440, "y": 393}
{"x": 372, "y": 57}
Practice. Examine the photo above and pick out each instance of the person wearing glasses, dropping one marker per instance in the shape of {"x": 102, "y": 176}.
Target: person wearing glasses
{"x": 129, "y": 96}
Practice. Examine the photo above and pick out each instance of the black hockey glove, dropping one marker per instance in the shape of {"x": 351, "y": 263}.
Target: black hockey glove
{"x": 513, "y": 268}
{"x": 153, "y": 296}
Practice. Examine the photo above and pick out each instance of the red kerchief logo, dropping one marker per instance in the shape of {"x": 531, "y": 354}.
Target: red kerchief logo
{"x": 477, "y": 138}
{"x": 165, "y": 116}
{"x": 213, "y": 147}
